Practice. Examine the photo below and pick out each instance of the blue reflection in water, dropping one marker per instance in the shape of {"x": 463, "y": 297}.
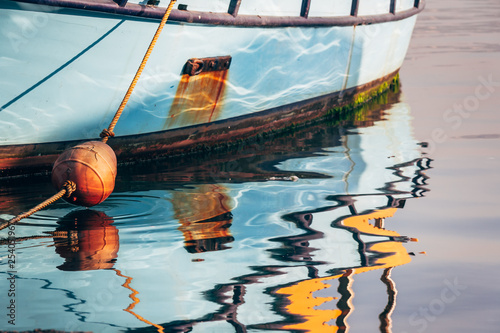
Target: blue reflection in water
{"x": 265, "y": 236}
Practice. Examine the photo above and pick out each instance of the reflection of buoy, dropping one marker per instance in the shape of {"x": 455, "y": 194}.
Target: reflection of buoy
{"x": 87, "y": 240}
{"x": 92, "y": 167}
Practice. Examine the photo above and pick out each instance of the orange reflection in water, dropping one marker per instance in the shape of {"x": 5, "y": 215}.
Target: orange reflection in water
{"x": 205, "y": 217}
{"x": 87, "y": 240}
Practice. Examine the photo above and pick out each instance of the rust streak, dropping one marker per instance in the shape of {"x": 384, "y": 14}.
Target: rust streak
{"x": 220, "y": 92}
{"x": 197, "y": 99}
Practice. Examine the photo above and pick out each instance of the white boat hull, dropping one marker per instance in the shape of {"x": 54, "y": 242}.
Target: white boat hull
{"x": 65, "y": 71}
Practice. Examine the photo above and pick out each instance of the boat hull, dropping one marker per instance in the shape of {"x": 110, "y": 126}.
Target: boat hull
{"x": 65, "y": 71}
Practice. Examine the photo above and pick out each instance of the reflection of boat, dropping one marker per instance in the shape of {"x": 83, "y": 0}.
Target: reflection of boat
{"x": 283, "y": 239}
{"x": 67, "y": 63}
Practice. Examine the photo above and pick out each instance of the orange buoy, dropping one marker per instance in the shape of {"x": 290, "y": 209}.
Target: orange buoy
{"x": 92, "y": 167}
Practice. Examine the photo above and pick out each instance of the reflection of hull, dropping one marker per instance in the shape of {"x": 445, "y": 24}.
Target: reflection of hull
{"x": 63, "y": 82}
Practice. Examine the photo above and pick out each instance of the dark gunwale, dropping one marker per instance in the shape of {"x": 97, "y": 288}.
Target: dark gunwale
{"x": 226, "y": 19}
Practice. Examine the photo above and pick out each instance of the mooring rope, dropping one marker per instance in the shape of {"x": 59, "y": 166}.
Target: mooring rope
{"x": 69, "y": 187}
{"x": 108, "y": 132}
{"x": 52, "y": 234}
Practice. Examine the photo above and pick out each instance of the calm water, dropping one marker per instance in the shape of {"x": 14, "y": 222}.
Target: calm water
{"x": 315, "y": 230}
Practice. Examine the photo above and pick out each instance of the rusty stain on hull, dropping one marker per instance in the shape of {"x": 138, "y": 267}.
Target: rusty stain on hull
{"x": 198, "y": 99}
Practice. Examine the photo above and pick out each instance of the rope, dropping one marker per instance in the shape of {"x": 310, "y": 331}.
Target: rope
{"x": 52, "y": 234}
{"x": 108, "y": 132}
{"x": 67, "y": 189}
{"x": 7, "y": 241}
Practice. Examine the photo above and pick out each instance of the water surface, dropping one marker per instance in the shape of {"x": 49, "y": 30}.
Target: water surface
{"x": 270, "y": 235}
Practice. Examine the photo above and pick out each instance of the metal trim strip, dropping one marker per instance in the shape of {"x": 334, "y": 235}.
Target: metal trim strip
{"x": 392, "y": 7}
{"x": 304, "y": 11}
{"x": 234, "y": 7}
{"x": 354, "y": 8}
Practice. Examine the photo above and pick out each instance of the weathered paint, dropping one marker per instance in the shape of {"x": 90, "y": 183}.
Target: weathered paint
{"x": 92, "y": 69}
{"x": 197, "y": 100}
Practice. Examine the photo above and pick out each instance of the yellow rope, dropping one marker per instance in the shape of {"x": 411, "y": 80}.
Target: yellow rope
{"x": 106, "y": 133}
{"x": 68, "y": 188}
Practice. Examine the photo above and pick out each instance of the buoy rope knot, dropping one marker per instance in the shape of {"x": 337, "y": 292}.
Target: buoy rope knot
{"x": 70, "y": 187}
{"x": 106, "y": 133}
